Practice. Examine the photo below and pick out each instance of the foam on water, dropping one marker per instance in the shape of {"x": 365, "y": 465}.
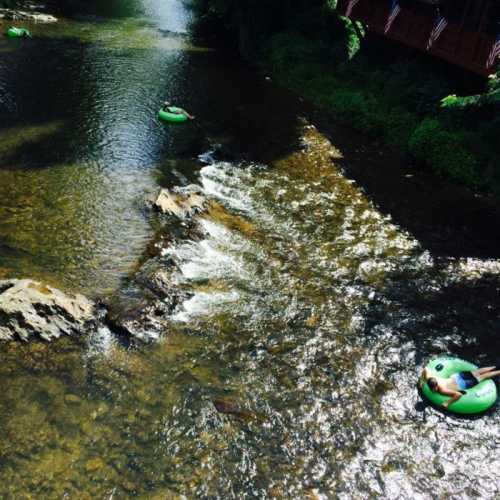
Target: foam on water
{"x": 219, "y": 255}
{"x": 222, "y": 181}
{"x": 202, "y": 304}
{"x": 101, "y": 342}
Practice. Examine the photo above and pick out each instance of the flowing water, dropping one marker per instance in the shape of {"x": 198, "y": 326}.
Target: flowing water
{"x": 290, "y": 370}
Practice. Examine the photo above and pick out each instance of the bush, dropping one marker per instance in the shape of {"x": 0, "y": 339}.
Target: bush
{"x": 288, "y": 50}
{"x": 444, "y": 151}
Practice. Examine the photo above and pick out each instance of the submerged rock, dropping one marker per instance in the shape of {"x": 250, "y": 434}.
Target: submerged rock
{"x": 94, "y": 464}
{"x": 72, "y": 399}
{"x": 230, "y": 406}
{"x": 30, "y": 310}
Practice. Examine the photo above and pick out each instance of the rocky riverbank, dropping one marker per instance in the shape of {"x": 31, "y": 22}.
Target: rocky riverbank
{"x": 27, "y": 11}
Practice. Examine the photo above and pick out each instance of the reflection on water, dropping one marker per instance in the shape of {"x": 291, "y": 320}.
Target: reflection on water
{"x": 289, "y": 372}
{"x": 79, "y": 155}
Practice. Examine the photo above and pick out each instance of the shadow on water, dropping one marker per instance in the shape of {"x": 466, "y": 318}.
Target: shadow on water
{"x": 254, "y": 119}
{"x": 448, "y": 220}
{"x": 460, "y": 318}
{"x": 36, "y": 126}
{"x": 417, "y": 319}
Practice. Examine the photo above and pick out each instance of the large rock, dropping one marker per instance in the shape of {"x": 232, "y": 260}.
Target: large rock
{"x": 145, "y": 320}
{"x": 145, "y": 313}
{"x": 147, "y": 317}
{"x": 24, "y": 15}
{"x": 32, "y": 310}
{"x": 182, "y": 203}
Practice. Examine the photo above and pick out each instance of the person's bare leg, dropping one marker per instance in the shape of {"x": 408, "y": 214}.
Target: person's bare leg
{"x": 480, "y": 371}
{"x": 484, "y": 376}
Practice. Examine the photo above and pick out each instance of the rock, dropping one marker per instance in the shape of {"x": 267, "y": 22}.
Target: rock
{"x": 101, "y": 410}
{"x": 233, "y": 407}
{"x": 146, "y": 320}
{"x": 182, "y": 203}
{"x": 29, "y": 309}
{"x": 158, "y": 276}
{"x": 312, "y": 321}
{"x": 173, "y": 34}
{"x": 23, "y": 15}
{"x": 128, "y": 485}
{"x": 145, "y": 314}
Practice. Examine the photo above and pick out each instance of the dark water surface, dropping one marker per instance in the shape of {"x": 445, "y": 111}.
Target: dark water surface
{"x": 290, "y": 371}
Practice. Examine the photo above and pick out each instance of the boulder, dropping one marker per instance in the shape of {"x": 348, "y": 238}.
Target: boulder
{"x": 32, "y": 310}
{"x": 145, "y": 321}
{"x": 147, "y": 317}
{"x": 182, "y": 203}
{"x": 22, "y": 15}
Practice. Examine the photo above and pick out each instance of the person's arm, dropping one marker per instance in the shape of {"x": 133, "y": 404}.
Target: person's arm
{"x": 423, "y": 377}
{"x": 455, "y": 396}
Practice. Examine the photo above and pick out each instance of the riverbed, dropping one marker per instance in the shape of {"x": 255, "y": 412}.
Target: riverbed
{"x": 327, "y": 277}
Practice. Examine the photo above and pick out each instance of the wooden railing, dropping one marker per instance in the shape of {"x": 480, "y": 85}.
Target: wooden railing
{"x": 468, "y": 38}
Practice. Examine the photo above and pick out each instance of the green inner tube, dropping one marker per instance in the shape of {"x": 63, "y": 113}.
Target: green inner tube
{"x": 475, "y": 400}
{"x": 14, "y": 32}
{"x": 172, "y": 117}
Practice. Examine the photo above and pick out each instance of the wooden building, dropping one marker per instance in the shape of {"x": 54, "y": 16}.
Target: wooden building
{"x": 463, "y": 32}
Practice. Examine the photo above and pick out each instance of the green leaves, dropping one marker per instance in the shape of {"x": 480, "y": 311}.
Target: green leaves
{"x": 444, "y": 151}
{"x": 490, "y": 98}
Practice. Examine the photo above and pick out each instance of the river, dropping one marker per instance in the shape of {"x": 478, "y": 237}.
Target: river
{"x": 317, "y": 291}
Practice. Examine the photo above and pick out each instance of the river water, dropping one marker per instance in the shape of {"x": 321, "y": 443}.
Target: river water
{"x": 290, "y": 370}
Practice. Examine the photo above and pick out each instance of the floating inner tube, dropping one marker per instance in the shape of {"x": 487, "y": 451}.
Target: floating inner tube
{"x": 14, "y": 32}
{"x": 475, "y": 400}
{"x": 176, "y": 115}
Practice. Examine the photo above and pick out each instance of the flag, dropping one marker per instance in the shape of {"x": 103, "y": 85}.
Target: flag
{"x": 350, "y": 6}
{"x": 439, "y": 27}
{"x": 395, "y": 10}
{"x": 494, "y": 54}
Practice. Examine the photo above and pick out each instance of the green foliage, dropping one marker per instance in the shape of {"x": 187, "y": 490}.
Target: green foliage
{"x": 324, "y": 57}
{"x": 392, "y": 102}
{"x": 490, "y": 98}
{"x": 354, "y": 33}
{"x": 288, "y": 50}
{"x": 402, "y": 83}
{"x": 444, "y": 151}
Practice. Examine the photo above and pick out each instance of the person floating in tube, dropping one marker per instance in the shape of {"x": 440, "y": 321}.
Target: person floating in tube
{"x": 168, "y": 108}
{"x": 456, "y": 385}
